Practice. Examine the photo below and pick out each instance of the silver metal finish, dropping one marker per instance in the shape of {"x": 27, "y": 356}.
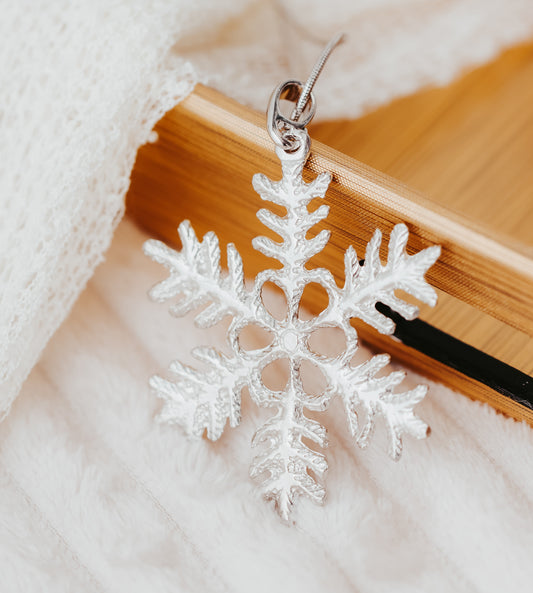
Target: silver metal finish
{"x": 315, "y": 73}
{"x": 204, "y": 401}
{"x": 280, "y": 127}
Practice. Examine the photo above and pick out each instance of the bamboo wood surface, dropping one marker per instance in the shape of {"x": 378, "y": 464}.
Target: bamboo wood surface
{"x": 468, "y": 146}
{"x": 182, "y": 175}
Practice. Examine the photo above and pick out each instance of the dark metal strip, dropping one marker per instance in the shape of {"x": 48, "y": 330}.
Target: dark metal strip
{"x": 466, "y": 359}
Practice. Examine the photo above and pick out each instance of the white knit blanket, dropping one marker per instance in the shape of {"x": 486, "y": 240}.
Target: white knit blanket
{"x": 96, "y": 496}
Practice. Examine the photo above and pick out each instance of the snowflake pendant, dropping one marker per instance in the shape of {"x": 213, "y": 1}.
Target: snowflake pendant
{"x": 206, "y": 400}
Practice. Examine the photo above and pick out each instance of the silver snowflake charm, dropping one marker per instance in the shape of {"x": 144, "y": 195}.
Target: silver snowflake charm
{"x": 205, "y": 400}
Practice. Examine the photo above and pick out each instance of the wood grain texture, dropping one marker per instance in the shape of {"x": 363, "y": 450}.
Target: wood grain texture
{"x": 183, "y": 175}
{"x": 468, "y": 146}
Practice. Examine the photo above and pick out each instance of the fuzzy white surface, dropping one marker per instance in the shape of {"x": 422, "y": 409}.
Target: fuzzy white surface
{"x": 96, "y": 496}
{"x": 83, "y": 83}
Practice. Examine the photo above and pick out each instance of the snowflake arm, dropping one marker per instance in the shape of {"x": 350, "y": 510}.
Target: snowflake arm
{"x": 366, "y": 396}
{"x": 372, "y": 282}
{"x": 291, "y": 190}
{"x": 202, "y": 400}
{"x": 196, "y": 275}
{"x": 285, "y": 461}
{"x": 397, "y": 409}
{"x": 292, "y": 193}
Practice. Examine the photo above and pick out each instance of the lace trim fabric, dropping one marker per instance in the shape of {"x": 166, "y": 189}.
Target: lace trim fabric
{"x": 82, "y": 84}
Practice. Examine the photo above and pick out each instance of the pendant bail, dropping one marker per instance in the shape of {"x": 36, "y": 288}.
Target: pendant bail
{"x": 281, "y": 128}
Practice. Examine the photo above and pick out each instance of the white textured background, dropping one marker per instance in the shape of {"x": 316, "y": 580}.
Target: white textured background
{"x": 94, "y": 496}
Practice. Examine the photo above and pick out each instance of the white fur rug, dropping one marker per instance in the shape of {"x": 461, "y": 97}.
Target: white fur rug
{"x": 95, "y": 496}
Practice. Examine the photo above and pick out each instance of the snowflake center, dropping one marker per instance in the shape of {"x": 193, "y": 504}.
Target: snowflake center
{"x": 289, "y": 339}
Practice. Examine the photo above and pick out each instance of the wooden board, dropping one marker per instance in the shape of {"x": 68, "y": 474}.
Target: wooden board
{"x": 201, "y": 169}
{"x": 468, "y": 146}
